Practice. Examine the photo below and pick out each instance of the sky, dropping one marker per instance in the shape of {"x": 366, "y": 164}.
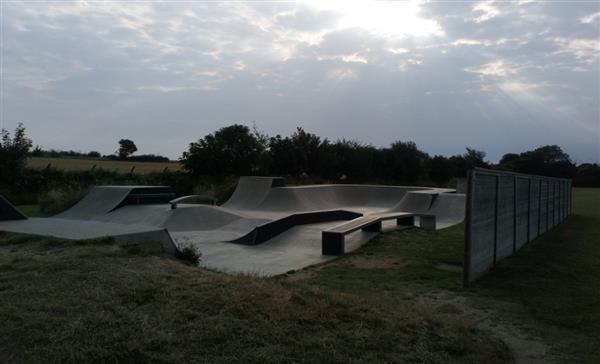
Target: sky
{"x": 499, "y": 76}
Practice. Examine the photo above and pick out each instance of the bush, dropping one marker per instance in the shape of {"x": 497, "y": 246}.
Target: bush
{"x": 56, "y": 201}
{"x": 188, "y": 254}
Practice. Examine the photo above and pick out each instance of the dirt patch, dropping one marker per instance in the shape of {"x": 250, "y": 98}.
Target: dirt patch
{"x": 373, "y": 262}
{"x": 492, "y": 316}
{"x": 450, "y": 267}
{"x": 300, "y": 275}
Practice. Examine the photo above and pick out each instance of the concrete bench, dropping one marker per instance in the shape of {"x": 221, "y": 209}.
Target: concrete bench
{"x": 333, "y": 239}
{"x": 192, "y": 199}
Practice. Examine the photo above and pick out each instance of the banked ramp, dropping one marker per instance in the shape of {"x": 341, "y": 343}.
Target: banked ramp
{"x": 103, "y": 199}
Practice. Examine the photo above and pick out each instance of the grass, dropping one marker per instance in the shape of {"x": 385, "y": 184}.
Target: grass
{"x": 94, "y": 302}
{"x": 390, "y": 261}
{"x": 554, "y": 281}
{"x": 557, "y": 277}
{"x": 32, "y": 211}
{"x": 83, "y": 164}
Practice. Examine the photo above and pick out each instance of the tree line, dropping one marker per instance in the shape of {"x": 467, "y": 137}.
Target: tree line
{"x": 238, "y": 150}
{"x": 303, "y": 156}
{"x": 126, "y": 150}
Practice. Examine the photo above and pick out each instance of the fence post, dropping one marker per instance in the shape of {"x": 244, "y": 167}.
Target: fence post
{"x": 547, "y": 205}
{"x": 570, "y": 197}
{"x": 539, "y": 208}
{"x": 528, "y": 209}
{"x": 496, "y": 218}
{"x": 560, "y": 192}
{"x": 515, "y": 208}
{"x": 468, "y": 221}
{"x": 557, "y": 203}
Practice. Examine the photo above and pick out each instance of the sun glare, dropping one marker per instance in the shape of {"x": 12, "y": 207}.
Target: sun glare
{"x": 387, "y": 18}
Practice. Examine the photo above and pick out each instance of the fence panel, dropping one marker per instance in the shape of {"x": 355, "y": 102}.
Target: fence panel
{"x": 523, "y": 206}
{"x": 505, "y": 211}
{"x": 543, "y": 207}
{"x": 482, "y": 254}
{"x": 534, "y": 209}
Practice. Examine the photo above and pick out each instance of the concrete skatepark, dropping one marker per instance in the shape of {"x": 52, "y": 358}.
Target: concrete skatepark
{"x": 265, "y": 228}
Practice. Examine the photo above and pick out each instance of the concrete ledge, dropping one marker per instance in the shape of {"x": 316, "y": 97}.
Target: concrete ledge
{"x": 267, "y": 231}
{"x": 333, "y": 241}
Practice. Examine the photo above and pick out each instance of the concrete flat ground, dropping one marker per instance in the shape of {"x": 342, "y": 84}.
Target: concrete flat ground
{"x": 294, "y": 249}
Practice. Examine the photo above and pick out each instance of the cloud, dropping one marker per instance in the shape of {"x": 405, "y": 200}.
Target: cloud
{"x": 83, "y": 74}
{"x": 495, "y": 68}
{"x": 485, "y": 10}
{"x": 588, "y": 19}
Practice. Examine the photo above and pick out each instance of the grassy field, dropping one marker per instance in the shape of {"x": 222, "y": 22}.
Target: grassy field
{"x": 397, "y": 299}
{"x": 82, "y": 164}
{"x": 557, "y": 278}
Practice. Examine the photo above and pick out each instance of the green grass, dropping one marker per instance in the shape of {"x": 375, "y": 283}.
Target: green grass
{"x": 73, "y": 302}
{"x": 32, "y": 210}
{"x": 557, "y": 277}
{"x": 83, "y": 164}
{"x": 95, "y": 302}
{"x": 390, "y": 261}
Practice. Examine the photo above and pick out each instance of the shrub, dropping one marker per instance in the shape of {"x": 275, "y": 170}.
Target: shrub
{"x": 59, "y": 200}
{"x": 188, "y": 254}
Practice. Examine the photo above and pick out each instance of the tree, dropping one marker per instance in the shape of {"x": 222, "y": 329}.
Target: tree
{"x": 404, "y": 162}
{"x": 126, "y": 148}
{"x": 440, "y": 169}
{"x": 13, "y": 153}
{"x": 300, "y": 153}
{"x": 549, "y": 160}
{"x": 470, "y": 159}
{"x": 230, "y": 150}
{"x": 588, "y": 175}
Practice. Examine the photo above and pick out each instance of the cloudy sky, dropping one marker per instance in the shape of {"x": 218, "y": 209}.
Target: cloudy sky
{"x": 501, "y": 76}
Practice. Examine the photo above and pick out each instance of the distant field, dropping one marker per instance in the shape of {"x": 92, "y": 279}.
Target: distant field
{"x": 81, "y": 164}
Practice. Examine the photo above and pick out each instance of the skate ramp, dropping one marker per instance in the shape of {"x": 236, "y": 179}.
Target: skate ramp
{"x": 104, "y": 199}
{"x": 185, "y": 218}
{"x": 449, "y": 209}
{"x": 263, "y": 226}
{"x": 8, "y": 211}
{"x": 89, "y": 229}
{"x": 251, "y": 191}
{"x": 416, "y": 202}
{"x": 362, "y": 198}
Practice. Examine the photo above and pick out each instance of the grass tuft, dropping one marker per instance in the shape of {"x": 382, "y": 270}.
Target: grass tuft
{"x": 188, "y": 254}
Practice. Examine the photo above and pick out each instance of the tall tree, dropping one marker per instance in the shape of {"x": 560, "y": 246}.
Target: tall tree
{"x": 404, "y": 162}
{"x": 13, "y": 153}
{"x": 549, "y": 160}
{"x": 230, "y": 150}
{"x": 126, "y": 148}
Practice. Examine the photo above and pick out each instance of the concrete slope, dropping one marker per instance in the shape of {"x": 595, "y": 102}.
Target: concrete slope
{"x": 199, "y": 217}
{"x": 104, "y": 199}
{"x": 82, "y": 230}
{"x": 449, "y": 209}
{"x": 99, "y": 201}
{"x": 8, "y": 211}
{"x": 186, "y": 217}
{"x": 415, "y": 201}
{"x": 327, "y": 197}
{"x": 251, "y": 191}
